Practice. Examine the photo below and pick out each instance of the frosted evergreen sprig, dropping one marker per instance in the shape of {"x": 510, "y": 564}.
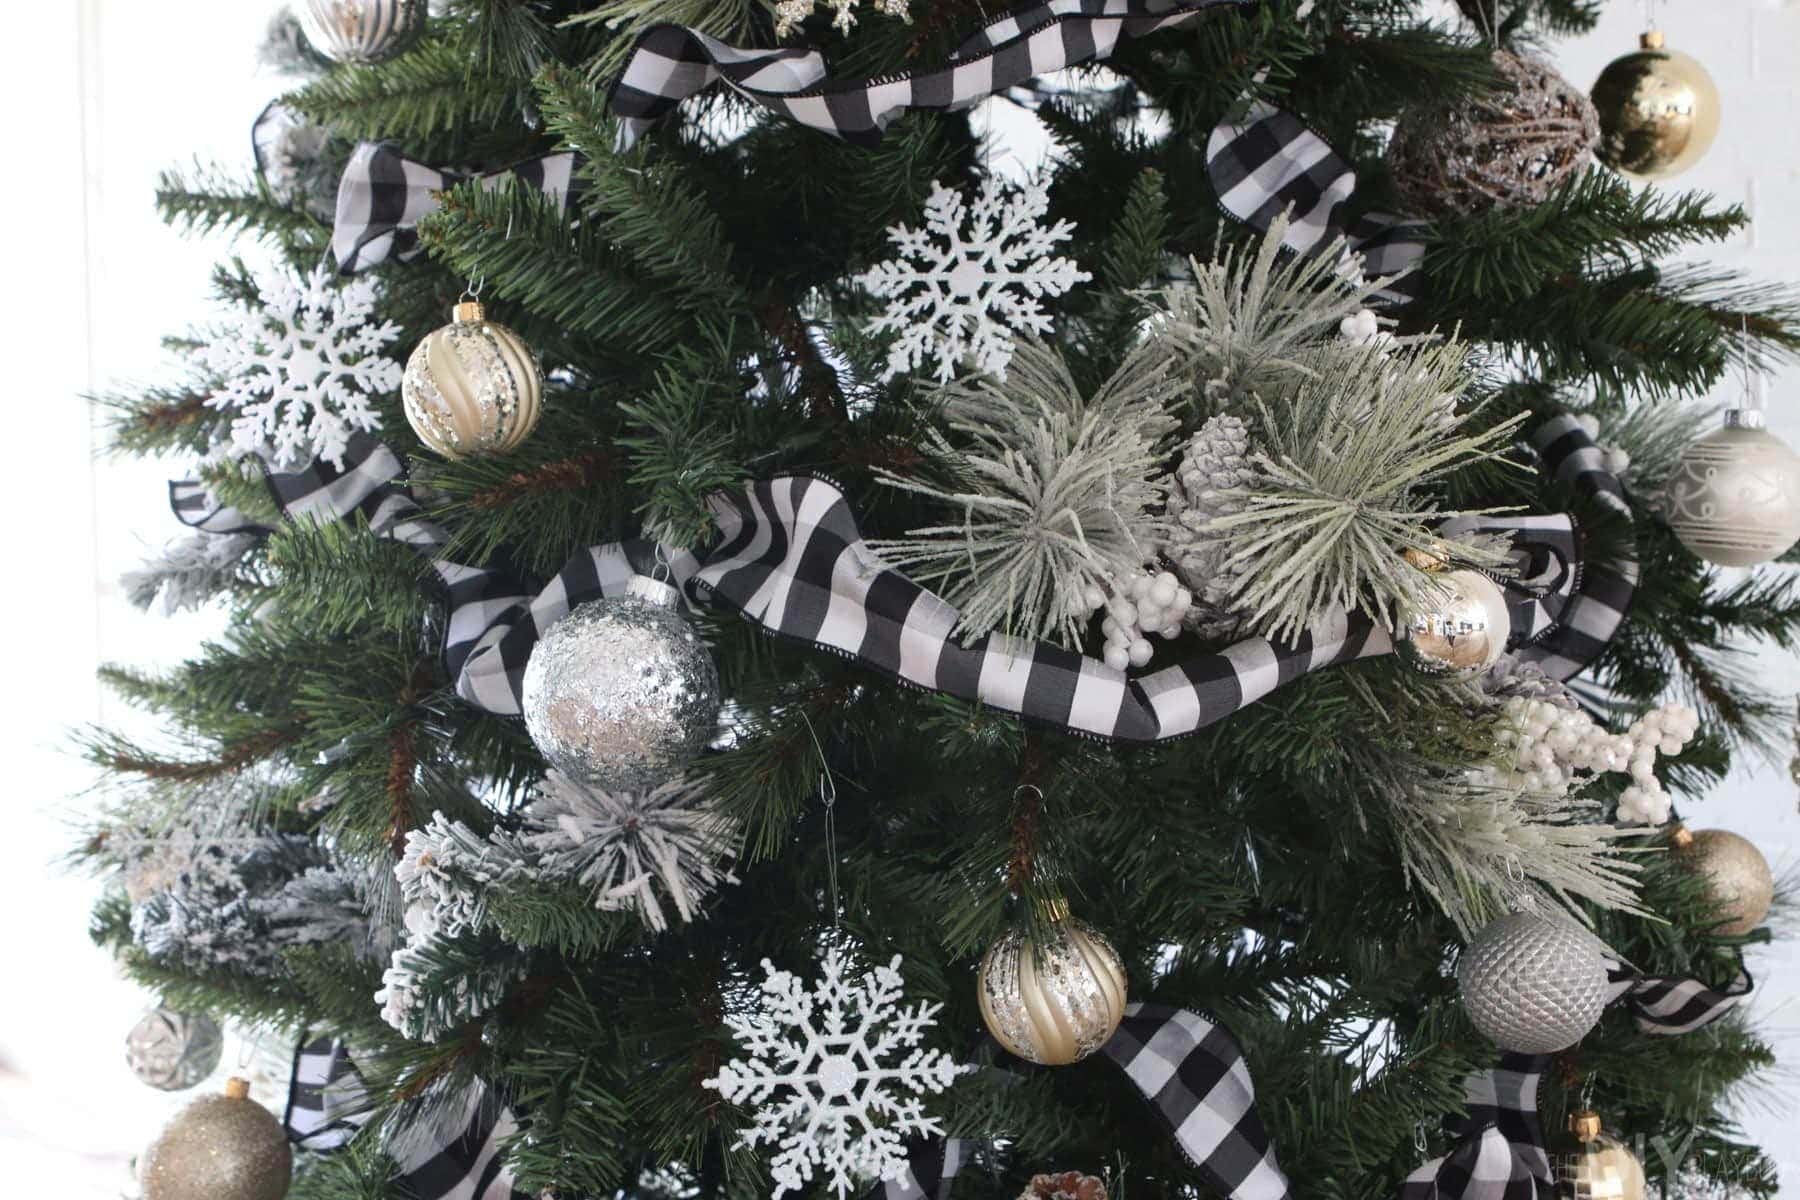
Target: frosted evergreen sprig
{"x": 446, "y": 872}
{"x": 189, "y": 572}
{"x": 1059, "y": 493}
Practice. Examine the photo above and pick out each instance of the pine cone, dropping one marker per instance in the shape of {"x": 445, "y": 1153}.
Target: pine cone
{"x": 1208, "y": 484}
{"x": 1069, "y": 1185}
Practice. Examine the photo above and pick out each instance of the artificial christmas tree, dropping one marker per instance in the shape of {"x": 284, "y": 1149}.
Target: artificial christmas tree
{"x": 919, "y": 459}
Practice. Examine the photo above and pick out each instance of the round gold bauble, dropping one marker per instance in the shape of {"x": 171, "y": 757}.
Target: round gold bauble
{"x": 1659, "y": 111}
{"x": 1055, "y": 999}
{"x": 360, "y": 31}
{"x": 1507, "y": 149}
{"x": 1457, "y": 625}
{"x": 1734, "y": 496}
{"x": 472, "y": 387}
{"x": 224, "y": 1147}
{"x": 1738, "y": 877}
{"x": 1587, "y": 1164}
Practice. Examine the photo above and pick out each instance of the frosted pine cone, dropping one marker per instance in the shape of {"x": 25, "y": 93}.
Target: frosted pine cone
{"x": 1069, "y": 1185}
{"x": 1208, "y": 484}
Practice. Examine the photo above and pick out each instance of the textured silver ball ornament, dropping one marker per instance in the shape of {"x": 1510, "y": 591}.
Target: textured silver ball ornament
{"x": 1053, "y": 1001}
{"x": 1458, "y": 625}
{"x": 622, "y": 693}
{"x": 1533, "y": 985}
{"x": 472, "y": 387}
{"x": 173, "y": 1051}
{"x": 1734, "y": 498}
{"x": 223, "y": 1147}
{"x": 360, "y": 31}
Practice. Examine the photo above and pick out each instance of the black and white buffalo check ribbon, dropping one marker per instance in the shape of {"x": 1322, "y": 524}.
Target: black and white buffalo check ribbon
{"x": 671, "y": 63}
{"x": 383, "y": 195}
{"x": 326, "y": 1103}
{"x": 1666, "y": 1005}
{"x": 1499, "y": 1150}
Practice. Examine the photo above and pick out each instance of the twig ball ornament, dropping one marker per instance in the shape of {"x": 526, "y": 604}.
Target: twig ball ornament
{"x": 1533, "y": 985}
{"x": 1587, "y": 1164}
{"x": 472, "y": 386}
{"x": 1738, "y": 878}
{"x": 622, "y": 693}
{"x": 360, "y": 31}
{"x": 1457, "y": 625}
{"x": 1659, "y": 111}
{"x": 1509, "y": 149}
{"x": 172, "y": 1051}
{"x": 1734, "y": 496}
{"x": 1056, "y": 999}
{"x": 221, "y": 1147}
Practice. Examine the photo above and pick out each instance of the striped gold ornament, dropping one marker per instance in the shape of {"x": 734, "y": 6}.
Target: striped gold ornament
{"x": 472, "y": 387}
{"x": 1734, "y": 498}
{"x": 360, "y": 31}
{"x": 1053, "y": 1001}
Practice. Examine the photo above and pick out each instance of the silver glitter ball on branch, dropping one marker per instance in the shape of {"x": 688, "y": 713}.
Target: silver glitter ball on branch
{"x": 1734, "y": 497}
{"x": 360, "y": 31}
{"x": 622, "y": 693}
{"x": 1533, "y": 985}
{"x": 172, "y": 1051}
{"x": 472, "y": 387}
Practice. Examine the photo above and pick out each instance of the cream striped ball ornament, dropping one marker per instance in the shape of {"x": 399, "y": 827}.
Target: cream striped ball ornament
{"x": 360, "y": 31}
{"x": 1053, "y": 1000}
{"x": 472, "y": 387}
{"x": 1734, "y": 498}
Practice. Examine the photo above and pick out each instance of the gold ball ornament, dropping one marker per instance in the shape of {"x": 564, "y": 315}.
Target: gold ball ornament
{"x": 1457, "y": 625}
{"x": 1734, "y": 496}
{"x": 1659, "y": 111}
{"x": 224, "y": 1147}
{"x": 472, "y": 387}
{"x": 360, "y": 31}
{"x": 1737, "y": 875}
{"x": 1506, "y": 150}
{"x": 1055, "y": 1000}
{"x": 1587, "y": 1164}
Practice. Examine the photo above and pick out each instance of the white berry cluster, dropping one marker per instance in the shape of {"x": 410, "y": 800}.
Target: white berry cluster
{"x": 790, "y": 13}
{"x": 1143, "y": 606}
{"x": 1363, "y": 328}
{"x": 1542, "y": 746}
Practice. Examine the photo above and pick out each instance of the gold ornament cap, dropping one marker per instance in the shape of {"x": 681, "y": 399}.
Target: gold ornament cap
{"x": 1651, "y": 39}
{"x": 1053, "y": 911}
{"x": 1681, "y": 837}
{"x": 237, "y": 1088}
{"x": 1584, "y": 1125}
{"x": 467, "y": 312}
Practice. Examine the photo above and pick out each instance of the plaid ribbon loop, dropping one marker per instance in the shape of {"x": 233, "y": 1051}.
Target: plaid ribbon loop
{"x": 1499, "y": 1150}
{"x": 1667, "y": 1005}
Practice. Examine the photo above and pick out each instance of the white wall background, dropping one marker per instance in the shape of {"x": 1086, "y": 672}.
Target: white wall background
{"x": 100, "y": 96}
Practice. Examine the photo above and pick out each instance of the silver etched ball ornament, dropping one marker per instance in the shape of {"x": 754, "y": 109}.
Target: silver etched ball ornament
{"x": 172, "y": 1051}
{"x": 1053, "y": 1001}
{"x": 1458, "y": 625}
{"x": 472, "y": 386}
{"x": 1734, "y": 498}
{"x": 622, "y": 693}
{"x": 1533, "y": 985}
{"x": 360, "y": 31}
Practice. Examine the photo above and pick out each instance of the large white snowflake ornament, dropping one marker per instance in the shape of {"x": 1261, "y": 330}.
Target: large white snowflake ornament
{"x": 300, "y": 369}
{"x": 835, "y": 1074}
{"x": 966, "y": 285}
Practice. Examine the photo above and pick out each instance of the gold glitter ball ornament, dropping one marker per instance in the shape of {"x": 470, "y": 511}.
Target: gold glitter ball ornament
{"x": 360, "y": 31}
{"x": 224, "y": 1147}
{"x": 472, "y": 387}
{"x": 1659, "y": 111}
{"x": 1734, "y": 496}
{"x": 1587, "y": 1164}
{"x": 1737, "y": 875}
{"x": 1457, "y": 625}
{"x": 1505, "y": 149}
{"x": 1053, "y": 1001}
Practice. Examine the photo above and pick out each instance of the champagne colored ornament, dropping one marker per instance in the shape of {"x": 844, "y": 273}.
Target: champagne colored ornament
{"x": 360, "y": 31}
{"x": 225, "y": 1147}
{"x": 1737, "y": 875}
{"x": 1053, "y": 1001}
{"x": 1533, "y": 985}
{"x": 472, "y": 387}
{"x": 622, "y": 693}
{"x": 172, "y": 1051}
{"x": 1587, "y": 1164}
{"x": 1506, "y": 150}
{"x": 1734, "y": 497}
{"x": 1659, "y": 111}
{"x": 1458, "y": 625}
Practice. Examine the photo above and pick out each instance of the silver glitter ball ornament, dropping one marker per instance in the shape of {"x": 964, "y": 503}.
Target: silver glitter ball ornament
{"x": 1056, "y": 1000}
{"x": 1458, "y": 625}
{"x": 360, "y": 31}
{"x": 224, "y": 1147}
{"x": 622, "y": 693}
{"x": 173, "y": 1051}
{"x": 1533, "y": 985}
{"x": 472, "y": 387}
{"x": 1734, "y": 497}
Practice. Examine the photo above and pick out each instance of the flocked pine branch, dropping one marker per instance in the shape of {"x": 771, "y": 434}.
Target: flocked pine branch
{"x": 1058, "y": 492}
{"x": 189, "y": 572}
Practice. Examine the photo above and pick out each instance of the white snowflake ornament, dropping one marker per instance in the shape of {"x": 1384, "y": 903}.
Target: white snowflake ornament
{"x": 790, "y": 13}
{"x": 964, "y": 287}
{"x": 835, "y": 1075}
{"x": 299, "y": 371}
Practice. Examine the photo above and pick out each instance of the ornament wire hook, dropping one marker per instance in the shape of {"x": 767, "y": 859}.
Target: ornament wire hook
{"x": 827, "y": 797}
{"x": 473, "y": 290}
